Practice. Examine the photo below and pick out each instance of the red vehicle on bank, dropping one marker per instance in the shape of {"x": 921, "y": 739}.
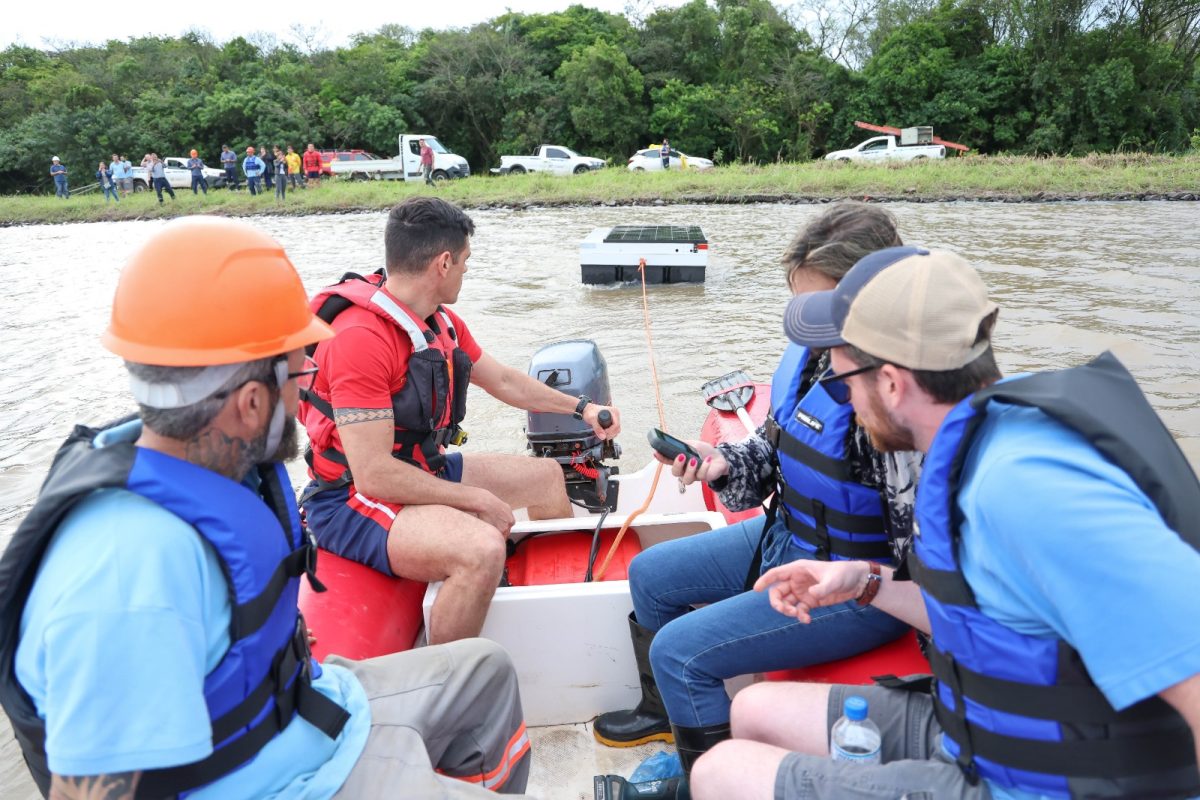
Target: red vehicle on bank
{"x": 327, "y": 157}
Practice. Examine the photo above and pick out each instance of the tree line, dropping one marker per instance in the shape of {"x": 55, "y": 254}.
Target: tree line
{"x": 737, "y": 80}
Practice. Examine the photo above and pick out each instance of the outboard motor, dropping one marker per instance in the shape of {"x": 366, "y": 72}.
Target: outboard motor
{"x": 576, "y": 368}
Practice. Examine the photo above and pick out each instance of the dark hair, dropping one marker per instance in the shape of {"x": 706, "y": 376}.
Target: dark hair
{"x": 834, "y": 242}
{"x": 420, "y": 228}
{"x": 952, "y": 385}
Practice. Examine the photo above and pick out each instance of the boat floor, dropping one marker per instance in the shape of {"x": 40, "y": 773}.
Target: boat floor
{"x": 567, "y": 757}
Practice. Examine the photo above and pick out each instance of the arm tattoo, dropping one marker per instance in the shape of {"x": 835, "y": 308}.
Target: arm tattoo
{"x": 349, "y": 416}
{"x": 119, "y": 786}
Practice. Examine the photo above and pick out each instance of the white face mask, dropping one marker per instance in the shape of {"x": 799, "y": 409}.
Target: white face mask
{"x": 278, "y": 416}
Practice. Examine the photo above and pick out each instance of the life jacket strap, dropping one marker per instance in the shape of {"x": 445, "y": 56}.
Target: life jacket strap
{"x": 1126, "y": 757}
{"x": 1065, "y": 703}
{"x": 288, "y": 685}
{"x": 850, "y": 523}
{"x": 834, "y": 468}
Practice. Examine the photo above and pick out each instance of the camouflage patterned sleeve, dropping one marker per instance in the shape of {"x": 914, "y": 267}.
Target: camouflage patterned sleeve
{"x": 751, "y": 477}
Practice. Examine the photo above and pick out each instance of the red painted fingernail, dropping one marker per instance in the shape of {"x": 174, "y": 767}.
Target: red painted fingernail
{"x": 692, "y": 463}
{"x": 707, "y": 459}
{"x": 680, "y": 458}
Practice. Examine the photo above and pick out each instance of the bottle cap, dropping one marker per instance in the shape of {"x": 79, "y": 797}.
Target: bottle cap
{"x": 855, "y": 708}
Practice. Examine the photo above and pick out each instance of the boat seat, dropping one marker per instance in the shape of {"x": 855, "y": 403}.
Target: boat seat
{"x": 364, "y": 614}
{"x": 900, "y": 657}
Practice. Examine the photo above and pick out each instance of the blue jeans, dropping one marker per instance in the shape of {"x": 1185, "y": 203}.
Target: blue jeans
{"x": 199, "y": 181}
{"x": 252, "y": 182}
{"x": 738, "y": 632}
{"x": 110, "y": 189}
{"x": 60, "y": 187}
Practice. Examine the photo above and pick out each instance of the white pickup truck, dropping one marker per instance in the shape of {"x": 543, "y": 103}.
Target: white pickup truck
{"x": 552, "y": 158}
{"x": 407, "y": 165}
{"x": 886, "y": 148}
{"x": 175, "y": 170}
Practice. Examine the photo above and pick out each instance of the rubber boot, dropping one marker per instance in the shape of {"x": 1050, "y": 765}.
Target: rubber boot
{"x": 646, "y": 723}
{"x": 691, "y": 743}
{"x": 614, "y": 787}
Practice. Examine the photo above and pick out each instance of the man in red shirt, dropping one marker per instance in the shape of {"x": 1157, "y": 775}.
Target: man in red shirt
{"x": 427, "y": 162}
{"x": 389, "y": 394}
{"x": 312, "y": 163}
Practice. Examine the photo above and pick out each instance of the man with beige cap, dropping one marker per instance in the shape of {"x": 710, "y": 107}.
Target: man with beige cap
{"x": 1055, "y": 561}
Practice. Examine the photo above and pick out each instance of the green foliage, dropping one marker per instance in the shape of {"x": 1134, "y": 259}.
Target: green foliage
{"x": 741, "y": 80}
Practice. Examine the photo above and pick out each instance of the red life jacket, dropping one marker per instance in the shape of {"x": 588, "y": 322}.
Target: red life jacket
{"x": 428, "y": 408}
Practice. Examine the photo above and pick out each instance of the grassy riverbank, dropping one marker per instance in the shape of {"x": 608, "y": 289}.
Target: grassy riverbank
{"x": 999, "y": 178}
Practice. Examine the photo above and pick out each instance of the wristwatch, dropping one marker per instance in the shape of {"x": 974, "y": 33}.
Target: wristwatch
{"x": 583, "y": 403}
{"x": 874, "y": 581}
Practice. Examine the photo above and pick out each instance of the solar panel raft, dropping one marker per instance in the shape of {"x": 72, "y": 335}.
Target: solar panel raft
{"x": 673, "y": 253}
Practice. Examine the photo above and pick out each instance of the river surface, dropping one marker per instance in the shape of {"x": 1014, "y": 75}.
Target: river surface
{"x": 1072, "y": 280}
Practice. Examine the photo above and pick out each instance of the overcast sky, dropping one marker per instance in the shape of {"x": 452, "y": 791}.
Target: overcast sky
{"x": 95, "y": 22}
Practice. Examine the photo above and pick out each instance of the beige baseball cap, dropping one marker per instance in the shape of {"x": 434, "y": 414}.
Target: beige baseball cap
{"x": 916, "y": 308}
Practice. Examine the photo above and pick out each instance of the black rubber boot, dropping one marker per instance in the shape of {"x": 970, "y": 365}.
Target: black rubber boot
{"x": 691, "y": 743}
{"x": 614, "y": 787}
{"x": 646, "y": 723}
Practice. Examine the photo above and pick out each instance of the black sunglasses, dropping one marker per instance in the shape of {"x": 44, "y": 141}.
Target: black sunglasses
{"x": 834, "y": 383}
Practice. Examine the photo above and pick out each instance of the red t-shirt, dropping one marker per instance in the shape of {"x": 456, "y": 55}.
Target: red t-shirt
{"x": 362, "y": 367}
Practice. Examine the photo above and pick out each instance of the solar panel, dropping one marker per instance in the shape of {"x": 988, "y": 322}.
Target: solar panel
{"x": 656, "y": 234}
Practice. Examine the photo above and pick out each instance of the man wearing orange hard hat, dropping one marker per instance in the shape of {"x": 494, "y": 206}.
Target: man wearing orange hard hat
{"x": 150, "y": 643}
{"x": 197, "y": 166}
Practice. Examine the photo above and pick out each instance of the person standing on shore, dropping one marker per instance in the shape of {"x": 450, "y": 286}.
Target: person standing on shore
{"x": 312, "y": 163}
{"x": 196, "y": 165}
{"x": 121, "y": 171}
{"x": 279, "y": 164}
{"x": 295, "y": 173}
{"x": 59, "y": 173}
{"x": 229, "y": 164}
{"x": 427, "y": 162}
{"x": 268, "y": 160}
{"x": 105, "y": 176}
{"x": 253, "y": 167}
{"x": 158, "y": 175}
{"x": 666, "y": 154}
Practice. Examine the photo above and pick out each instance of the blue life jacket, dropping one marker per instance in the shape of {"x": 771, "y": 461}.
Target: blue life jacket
{"x": 265, "y": 678}
{"x": 827, "y": 511}
{"x": 1021, "y": 710}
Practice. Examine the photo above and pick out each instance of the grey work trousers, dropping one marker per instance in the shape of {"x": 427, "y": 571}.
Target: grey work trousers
{"x": 446, "y": 722}
{"x": 914, "y": 766}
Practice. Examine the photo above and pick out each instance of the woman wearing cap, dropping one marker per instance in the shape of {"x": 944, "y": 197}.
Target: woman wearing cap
{"x": 839, "y": 498}
{"x": 197, "y": 166}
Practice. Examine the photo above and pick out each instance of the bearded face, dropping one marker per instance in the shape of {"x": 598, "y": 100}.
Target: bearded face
{"x": 886, "y": 435}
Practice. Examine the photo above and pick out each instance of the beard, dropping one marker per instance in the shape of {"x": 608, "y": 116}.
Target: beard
{"x": 886, "y": 435}
{"x": 289, "y": 444}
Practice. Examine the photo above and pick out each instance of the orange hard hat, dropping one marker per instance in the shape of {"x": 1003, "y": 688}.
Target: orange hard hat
{"x": 249, "y": 149}
{"x": 205, "y": 291}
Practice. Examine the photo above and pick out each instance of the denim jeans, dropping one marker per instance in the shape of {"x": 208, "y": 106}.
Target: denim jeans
{"x": 252, "y": 181}
{"x": 109, "y": 190}
{"x": 738, "y": 632}
{"x": 60, "y": 187}
{"x": 199, "y": 181}
{"x": 160, "y": 186}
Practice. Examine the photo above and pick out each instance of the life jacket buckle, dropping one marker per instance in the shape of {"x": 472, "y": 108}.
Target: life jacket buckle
{"x": 457, "y": 437}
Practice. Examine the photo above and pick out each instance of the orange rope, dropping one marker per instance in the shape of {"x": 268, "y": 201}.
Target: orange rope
{"x": 662, "y": 424}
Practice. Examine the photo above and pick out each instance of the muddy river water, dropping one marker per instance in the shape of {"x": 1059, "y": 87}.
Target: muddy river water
{"x": 1072, "y": 280}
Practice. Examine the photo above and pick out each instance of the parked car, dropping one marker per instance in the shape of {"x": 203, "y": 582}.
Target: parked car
{"x": 650, "y": 159}
{"x": 176, "y": 171}
{"x": 344, "y": 161}
{"x": 887, "y": 148}
{"x": 327, "y": 157}
{"x": 552, "y": 158}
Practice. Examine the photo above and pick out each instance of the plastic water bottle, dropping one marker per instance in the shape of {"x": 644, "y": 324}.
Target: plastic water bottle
{"x": 855, "y": 738}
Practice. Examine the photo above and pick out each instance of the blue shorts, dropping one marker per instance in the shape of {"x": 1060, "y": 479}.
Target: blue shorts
{"x": 354, "y": 526}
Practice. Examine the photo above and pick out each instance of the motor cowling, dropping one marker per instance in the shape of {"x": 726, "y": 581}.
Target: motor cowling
{"x": 577, "y": 368}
